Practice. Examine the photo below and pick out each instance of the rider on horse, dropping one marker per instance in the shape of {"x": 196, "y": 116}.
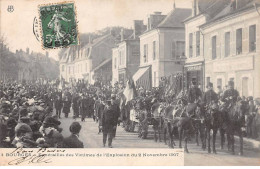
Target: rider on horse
{"x": 230, "y": 96}
{"x": 210, "y": 97}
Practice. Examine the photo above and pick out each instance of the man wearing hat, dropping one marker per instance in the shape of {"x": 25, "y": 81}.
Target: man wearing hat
{"x": 109, "y": 121}
{"x": 230, "y": 95}
{"x": 210, "y": 96}
{"x": 73, "y": 140}
{"x": 194, "y": 93}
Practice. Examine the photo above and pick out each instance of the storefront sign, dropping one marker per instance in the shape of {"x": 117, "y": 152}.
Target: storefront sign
{"x": 194, "y": 68}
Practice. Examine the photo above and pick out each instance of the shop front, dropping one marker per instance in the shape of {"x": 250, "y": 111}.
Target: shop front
{"x": 194, "y": 72}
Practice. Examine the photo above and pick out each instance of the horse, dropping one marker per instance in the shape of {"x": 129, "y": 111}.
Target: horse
{"x": 213, "y": 121}
{"x": 235, "y": 121}
{"x": 181, "y": 125}
{"x": 156, "y": 120}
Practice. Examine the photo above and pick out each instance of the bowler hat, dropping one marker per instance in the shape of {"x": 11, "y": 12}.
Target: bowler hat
{"x": 22, "y": 127}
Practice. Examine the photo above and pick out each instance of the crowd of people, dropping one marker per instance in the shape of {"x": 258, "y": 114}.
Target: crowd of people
{"x": 27, "y": 117}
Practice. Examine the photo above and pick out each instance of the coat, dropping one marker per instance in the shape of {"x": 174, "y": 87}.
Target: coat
{"x": 194, "y": 94}
{"x": 110, "y": 117}
{"x": 72, "y": 142}
{"x": 209, "y": 97}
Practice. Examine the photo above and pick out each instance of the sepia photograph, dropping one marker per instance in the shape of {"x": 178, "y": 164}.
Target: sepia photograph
{"x": 130, "y": 82}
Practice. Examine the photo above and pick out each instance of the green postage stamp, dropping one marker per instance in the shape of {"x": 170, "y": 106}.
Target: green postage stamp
{"x": 59, "y": 25}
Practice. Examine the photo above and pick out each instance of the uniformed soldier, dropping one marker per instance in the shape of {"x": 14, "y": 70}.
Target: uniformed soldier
{"x": 210, "y": 96}
{"x": 230, "y": 96}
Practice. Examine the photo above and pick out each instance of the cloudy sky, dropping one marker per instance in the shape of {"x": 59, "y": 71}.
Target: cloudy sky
{"x": 92, "y": 15}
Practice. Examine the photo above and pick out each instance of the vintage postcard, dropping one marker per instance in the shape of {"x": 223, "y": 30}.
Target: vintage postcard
{"x": 129, "y": 83}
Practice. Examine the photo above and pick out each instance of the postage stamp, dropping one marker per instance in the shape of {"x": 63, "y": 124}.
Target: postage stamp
{"x": 58, "y": 25}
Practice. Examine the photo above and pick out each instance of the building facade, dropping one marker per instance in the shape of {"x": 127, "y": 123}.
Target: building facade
{"x": 78, "y": 62}
{"x": 126, "y": 56}
{"x": 231, "y": 48}
{"x": 162, "y": 47}
{"x": 202, "y": 12}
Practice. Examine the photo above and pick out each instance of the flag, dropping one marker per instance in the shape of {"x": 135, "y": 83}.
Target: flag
{"x": 130, "y": 90}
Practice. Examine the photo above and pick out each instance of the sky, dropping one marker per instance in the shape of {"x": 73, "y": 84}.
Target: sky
{"x": 92, "y": 15}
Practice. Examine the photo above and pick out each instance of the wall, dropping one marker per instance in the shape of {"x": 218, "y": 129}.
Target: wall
{"x": 234, "y": 66}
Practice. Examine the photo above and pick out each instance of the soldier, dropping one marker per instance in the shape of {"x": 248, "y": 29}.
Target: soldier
{"x": 73, "y": 140}
{"x": 230, "y": 96}
{"x": 210, "y": 96}
{"x": 194, "y": 93}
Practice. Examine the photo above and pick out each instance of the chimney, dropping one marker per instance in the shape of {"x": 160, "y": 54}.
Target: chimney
{"x": 138, "y": 28}
{"x": 27, "y": 51}
{"x": 194, "y": 8}
{"x": 122, "y": 34}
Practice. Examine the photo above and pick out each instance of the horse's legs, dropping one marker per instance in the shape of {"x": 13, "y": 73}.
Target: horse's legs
{"x": 197, "y": 136}
{"x": 202, "y": 137}
{"x": 165, "y": 134}
{"x": 222, "y": 137}
{"x": 180, "y": 130}
{"x": 208, "y": 135}
{"x": 241, "y": 141}
{"x": 186, "y": 142}
{"x": 214, "y": 140}
{"x": 155, "y": 132}
{"x": 232, "y": 139}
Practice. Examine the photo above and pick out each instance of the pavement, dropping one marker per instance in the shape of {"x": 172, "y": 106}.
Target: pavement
{"x": 91, "y": 139}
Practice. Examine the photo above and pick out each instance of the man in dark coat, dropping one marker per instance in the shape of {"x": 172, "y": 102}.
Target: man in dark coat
{"x": 230, "y": 96}
{"x": 109, "y": 122}
{"x": 194, "y": 93}
{"x": 73, "y": 140}
{"x": 58, "y": 105}
{"x": 75, "y": 105}
{"x": 210, "y": 96}
{"x": 83, "y": 106}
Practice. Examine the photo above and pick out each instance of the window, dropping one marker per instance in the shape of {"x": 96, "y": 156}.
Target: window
{"x": 214, "y": 47}
{"x": 115, "y": 63}
{"x": 154, "y": 50}
{"x": 62, "y": 68}
{"x": 180, "y": 49}
{"x": 197, "y": 43}
{"x": 227, "y": 44}
{"x": 208, "y": 80}
{"x": 239, "y": 41}
{"x": 145, "y": 53}
{"x": 219, "y": 83}
{"x": 252, "y": 38}
{"x": 120, "y": 58}
{"x": 190, "y": 44}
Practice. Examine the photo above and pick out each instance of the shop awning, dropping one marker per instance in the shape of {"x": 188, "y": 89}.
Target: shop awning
{"x": 142, "y": 78}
